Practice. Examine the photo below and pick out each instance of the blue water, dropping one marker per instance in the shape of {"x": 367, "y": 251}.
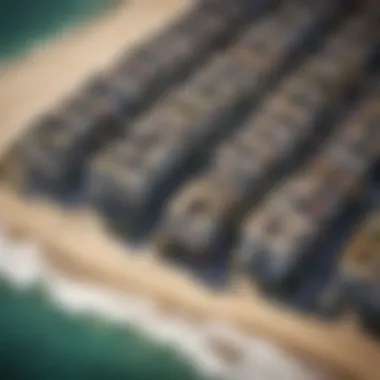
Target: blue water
{"x": 39, "y": 341}
{"x": 24, "y": 23}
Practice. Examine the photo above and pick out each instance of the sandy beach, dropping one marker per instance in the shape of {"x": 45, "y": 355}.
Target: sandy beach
{"x": 62, "y": 63}
{"x": 215, "y": 349}
{"x": 76, "y": 242}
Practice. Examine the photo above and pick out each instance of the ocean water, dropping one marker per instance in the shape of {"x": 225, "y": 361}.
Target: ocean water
{"x": 40, "y": 342}
{"x": 54, "y": 327}
{"x": 24, "y": 23}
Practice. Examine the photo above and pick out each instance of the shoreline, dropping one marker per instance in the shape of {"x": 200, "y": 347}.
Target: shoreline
{"x": 213, "y": 349}
{"x": 62, "y": 64}
{"x": 65, "y": 19}
{"x": 76, "y": 244}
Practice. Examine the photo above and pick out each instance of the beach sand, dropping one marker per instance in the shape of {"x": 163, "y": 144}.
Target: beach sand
{"x": 60, "y": 65}
{"x": 76, "y": 242}
{"x": 78, "y": 245}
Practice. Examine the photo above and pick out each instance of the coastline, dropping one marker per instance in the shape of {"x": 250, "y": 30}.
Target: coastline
{"x": 75, "y": 242}
{"x": 212, "y": 349}
{"x": 60, "y": 65}
{"x": 23, "y": 26}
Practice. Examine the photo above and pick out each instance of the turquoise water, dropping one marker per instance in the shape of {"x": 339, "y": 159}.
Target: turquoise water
{"x": 39, "y": 342}
{"x": 24, "y": 23}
